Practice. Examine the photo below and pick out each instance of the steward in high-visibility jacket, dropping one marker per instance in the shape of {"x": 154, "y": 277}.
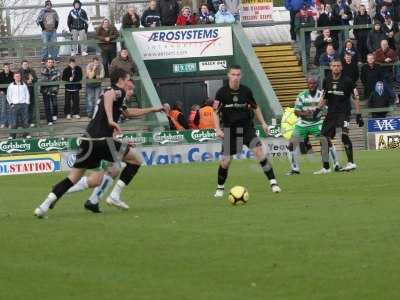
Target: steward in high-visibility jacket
{"x": 205, "y": 116}
{"x": 176, "y": 117}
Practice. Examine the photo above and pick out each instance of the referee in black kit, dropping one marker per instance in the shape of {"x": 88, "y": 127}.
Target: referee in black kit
{"x": 338, "y": 91}
{"x": 236, "y": 106}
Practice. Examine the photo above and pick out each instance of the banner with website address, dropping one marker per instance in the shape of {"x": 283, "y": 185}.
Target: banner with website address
{"x": 184, "y": 42}
{"x": 24, "y": 146}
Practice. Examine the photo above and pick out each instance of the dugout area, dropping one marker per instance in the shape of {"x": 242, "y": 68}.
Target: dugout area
{"x": 191, "y": 79}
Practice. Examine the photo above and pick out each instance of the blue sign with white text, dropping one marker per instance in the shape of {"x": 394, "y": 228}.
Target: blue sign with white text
{"x": 386, "y": 124}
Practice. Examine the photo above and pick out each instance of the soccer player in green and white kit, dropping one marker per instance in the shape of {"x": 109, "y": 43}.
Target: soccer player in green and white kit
{"x": 306, "y": 103}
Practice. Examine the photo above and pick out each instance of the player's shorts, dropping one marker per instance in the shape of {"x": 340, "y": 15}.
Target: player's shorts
{"x": 303, "y": 132}
{"x": 91, "y": 152}
{"x": 333, "y": 121}
{"x": 236, "y": 137}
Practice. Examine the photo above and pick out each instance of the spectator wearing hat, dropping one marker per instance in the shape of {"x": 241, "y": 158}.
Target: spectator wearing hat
{"x": 380, "y": 98}
{"x": 78, "y": 24}
{"x": 48, "y": 20}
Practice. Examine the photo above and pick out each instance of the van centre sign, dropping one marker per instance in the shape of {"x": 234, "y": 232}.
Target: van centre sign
{"x": 184, "y": 43}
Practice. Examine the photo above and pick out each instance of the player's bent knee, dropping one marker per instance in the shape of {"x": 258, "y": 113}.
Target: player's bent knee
{"x": 226, "y": 161}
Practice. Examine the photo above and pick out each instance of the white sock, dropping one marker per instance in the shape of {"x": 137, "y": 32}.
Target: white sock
{"x": 79, "y": 186}
{"x": 293, "y": 161}
{"x": 49, "y": 200}
{"x": 220, "y": 186}
{"x": 273, "y": 181}
{"x": 100, "y": 190}
{"x": 332, "y": 152}
{"x": 116, "y": 192}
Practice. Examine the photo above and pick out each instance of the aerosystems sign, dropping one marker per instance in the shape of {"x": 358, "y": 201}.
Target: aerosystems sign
{"x": 184, "y": 43}
{"x": 30, "y": 164}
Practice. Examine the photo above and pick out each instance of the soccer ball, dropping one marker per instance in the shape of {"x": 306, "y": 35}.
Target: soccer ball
{"x": 238, "y": 194}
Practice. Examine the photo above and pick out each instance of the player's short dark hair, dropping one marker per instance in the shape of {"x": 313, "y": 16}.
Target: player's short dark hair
{"x": 117, "y": 74}
{"x": 204, "y": 4}
{"x": 6, "y": 64}
{"x": 235, "y": 67}
{"x": 72, "y": 60}
{"x": 96, "y": 58}
{"x": 24, "y": 60}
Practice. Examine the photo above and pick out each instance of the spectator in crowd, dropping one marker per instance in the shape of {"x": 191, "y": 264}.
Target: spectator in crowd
{"x": 18, "y": 100}
{"x": 343, "y": 11}
{"x": 123, "y": 61}
{"x": 371, "y": 73}
{"x": 304, "y": 18}
{"x": 205, "y": 16}
{"x": 375, "y": 37}
{"x": 186, "y": 17}
{"x": 396, "y": 39}
{"x": 205, "y": 115}
{"x": 29, "y": 77}
{"x": 72, "y": 73}
{"x": 328, "y": 56}
{"x": 327, "y": 19}
{"x": 350, "y": 48}
{"x": 192, "y": 116}
{"x": 350, "y": 68}
{"x": 177, "y": 118}
{"x": 78, "y": 24}
{"x": 48, "y": 21}
{"x": 131, "y": 18}
{"x": 385, "y": 55}
{"x": 107, "y": 34}
{"x": 323, "y": 40}
{"x": 169, "y": 11}
{"x": 293, "y": 6}
{"x": 213, "y": 5}
{"x": 50, "y": 73}
{"x": 234, "y": 7}
{"x": 223, "y": 16}
{"x": 6, "y": 77}
{"x": 94, "y": 70}
{"x": 151, "y": 16}
{"x": 381, "y": 15}
{"x": 361, "y": 35}
{"x": 390, "y": 28}
{"x": 380, "y": 98}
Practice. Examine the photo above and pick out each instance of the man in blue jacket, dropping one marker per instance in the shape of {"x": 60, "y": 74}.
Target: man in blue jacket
{"x": 293, "y": 6}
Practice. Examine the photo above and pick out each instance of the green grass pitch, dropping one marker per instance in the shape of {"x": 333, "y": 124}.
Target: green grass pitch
{"x": 324, "y": 237}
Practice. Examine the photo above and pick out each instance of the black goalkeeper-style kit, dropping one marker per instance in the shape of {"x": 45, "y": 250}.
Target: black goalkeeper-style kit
{"x": 338, "y": 95}
{"x": 236, "y": 112}
{"x": 98, "y": 143}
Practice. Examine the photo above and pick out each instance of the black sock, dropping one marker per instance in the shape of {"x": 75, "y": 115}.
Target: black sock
{"x": 267, "y": 168}
{"x": 62, "y": 187}
{"x": 326, "y": 165}
{"x": 222, "y": 175}
{"x": 128, "y": 173}
{"x": 348, "y": 147}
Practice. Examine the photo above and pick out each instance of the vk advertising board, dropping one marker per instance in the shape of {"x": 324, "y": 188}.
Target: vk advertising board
{"x": 384, "y": 133}
{"x": 182, "y": 43}
{"x": 30, "y": 164}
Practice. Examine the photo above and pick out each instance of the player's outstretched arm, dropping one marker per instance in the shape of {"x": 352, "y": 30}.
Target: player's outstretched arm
{"x": 139, "y": 112}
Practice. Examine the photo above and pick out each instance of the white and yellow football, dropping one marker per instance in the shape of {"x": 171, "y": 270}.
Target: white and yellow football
{"x": 238, "y": 195}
